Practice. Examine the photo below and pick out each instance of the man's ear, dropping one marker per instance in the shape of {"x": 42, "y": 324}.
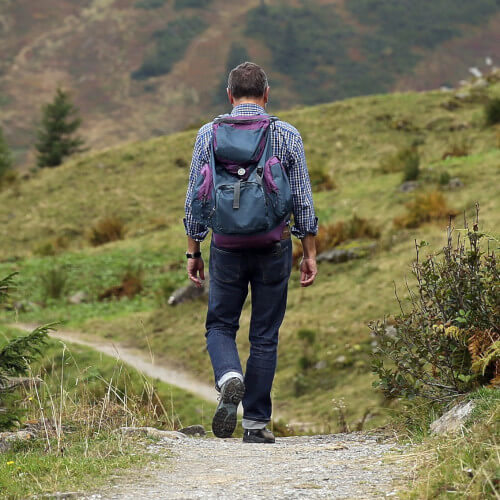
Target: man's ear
{"x": 266, "y": 95}
{"x": 230, "y": 97}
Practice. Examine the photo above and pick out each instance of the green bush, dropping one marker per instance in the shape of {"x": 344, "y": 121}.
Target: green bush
{"x": 171, "y": 44}
{"x": 193, "y": 4}
{"x": 54, "y": 282}
{"x": 406, "y": 160}
{"x": 444, "y": 178}
{"x": 411, "y": 169}
{"x": 149, "y": 4}
{"x": 492, "y": 112}
{"x": 5, "y": 157}
{"x": 447, "y": 343}
{"x": 16, "y": 355}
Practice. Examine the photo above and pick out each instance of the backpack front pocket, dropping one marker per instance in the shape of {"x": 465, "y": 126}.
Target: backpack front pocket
{"x": 241, "y": 208}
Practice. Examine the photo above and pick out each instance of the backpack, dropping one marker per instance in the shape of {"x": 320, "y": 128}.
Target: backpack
{"x": 243, "y": 193}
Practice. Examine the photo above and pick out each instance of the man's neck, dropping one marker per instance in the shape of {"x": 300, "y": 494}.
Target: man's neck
{"x": 258, "y": 102}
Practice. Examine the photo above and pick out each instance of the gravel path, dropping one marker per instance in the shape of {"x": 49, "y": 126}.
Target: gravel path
{"x": 353, "y": 466}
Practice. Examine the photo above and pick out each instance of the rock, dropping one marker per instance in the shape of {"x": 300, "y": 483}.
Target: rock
{"x": 455, "y": 183}
{"x": 463, "y": 96}
{"x": 481, "y": 83}
{"x": 151, "y": 432}
{"x": 78, "y": 298}
{"x": 7, "y": 439}
{"x": 320, "y": 365}
{"x": 188, "y": 293}
{"x": 193, "y": 430}
{"x": 408, "y": 186}
{"x": 453, "y": 420}
{"x": 338, "y": 255}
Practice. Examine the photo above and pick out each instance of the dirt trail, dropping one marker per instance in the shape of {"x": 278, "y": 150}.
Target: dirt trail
{"x": 137, "y": 359}
{"x": 347, "y": 466}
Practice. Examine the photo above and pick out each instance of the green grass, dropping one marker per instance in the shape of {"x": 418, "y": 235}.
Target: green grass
{"x": 465, "y": 466}
{"x": 92, "y": 395}
{"x": 87, "y": 463}
{"x": 144, "y": 184}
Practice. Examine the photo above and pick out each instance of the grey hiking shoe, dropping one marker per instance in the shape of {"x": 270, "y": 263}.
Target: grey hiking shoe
{"x": 258, "y": 436}
{"x": 225, "y": 417}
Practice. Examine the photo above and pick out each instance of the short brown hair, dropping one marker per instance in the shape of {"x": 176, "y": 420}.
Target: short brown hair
{"x": 247, "y": 80}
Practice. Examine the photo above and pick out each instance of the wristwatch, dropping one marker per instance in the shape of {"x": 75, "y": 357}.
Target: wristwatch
{"x": 195, "y": 255}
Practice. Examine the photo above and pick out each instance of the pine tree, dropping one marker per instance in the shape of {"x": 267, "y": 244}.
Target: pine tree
{"x": 56, "y": 134}
{"x": 5, "y": 156}
{"x": 15, "y": 358}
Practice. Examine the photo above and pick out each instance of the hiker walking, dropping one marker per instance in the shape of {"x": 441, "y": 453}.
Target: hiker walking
{"x": 248, "y": 174}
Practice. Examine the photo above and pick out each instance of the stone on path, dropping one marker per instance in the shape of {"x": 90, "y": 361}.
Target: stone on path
{"x": 193, "y": 430}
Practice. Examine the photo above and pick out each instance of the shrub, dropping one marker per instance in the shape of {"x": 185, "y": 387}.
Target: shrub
{"x": 444, "y": 178}
{"x": 306, "y": 361}
{"x": 51, "y": 246}
{"x": 5, "y": 158}
{"x": 149, "y": 4}
{"x": 194, "y": 4}
{"x": 131, "y": 285}
{"x": 459, "y": 147}
{"x": 492, "y": 111}
{"x": 54, "y": 283}
{"x": 406, "y": 159}
{"x": 105, "y": 230}
{"x": 411, "y": 168}
{"x": 425, "y": 207}
{"x": 321, "y": 180}
{"x": 447, "y": 343}
{"x": 332, "y": 235}
{"x": 16, "y": 356}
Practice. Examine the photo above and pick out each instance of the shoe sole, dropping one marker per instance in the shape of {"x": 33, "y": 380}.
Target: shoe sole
{"x": 254, "y": 439}
{"x": 225, "y": 418}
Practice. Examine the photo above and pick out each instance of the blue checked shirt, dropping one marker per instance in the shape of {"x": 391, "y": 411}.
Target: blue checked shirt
{"x": 287, "y": 146}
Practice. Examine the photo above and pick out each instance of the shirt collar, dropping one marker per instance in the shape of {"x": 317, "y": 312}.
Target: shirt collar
{"x": 248, "y": 109}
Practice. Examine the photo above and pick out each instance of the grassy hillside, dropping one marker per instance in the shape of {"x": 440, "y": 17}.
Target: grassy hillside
{"x": 142, "y": 68}
{"x": 351, "y": 144}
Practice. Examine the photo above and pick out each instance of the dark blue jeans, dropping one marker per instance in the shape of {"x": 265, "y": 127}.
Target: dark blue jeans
{"x": 267, "y": 271}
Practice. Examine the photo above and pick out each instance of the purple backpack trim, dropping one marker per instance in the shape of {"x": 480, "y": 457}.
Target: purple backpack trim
{"x": 268, "y": 176}
{"x": 205, "y": 191}
{"x": 251, "y": 241}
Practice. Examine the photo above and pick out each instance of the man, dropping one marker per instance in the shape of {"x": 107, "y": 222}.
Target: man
{"x": 267, "y": 269}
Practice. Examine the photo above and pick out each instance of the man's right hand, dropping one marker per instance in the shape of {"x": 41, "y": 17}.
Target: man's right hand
{"x": 308, "y": 271}
{"x": 196, "y": 271}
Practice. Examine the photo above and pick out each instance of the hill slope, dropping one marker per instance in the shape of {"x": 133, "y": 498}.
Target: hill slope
{"x": 139, "y": 68}
{"x": 353, "y": 143}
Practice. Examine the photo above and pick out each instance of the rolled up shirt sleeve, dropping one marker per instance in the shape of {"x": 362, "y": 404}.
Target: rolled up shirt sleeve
{"x": 194, "y": 229}
{"x": 305, "y": 220}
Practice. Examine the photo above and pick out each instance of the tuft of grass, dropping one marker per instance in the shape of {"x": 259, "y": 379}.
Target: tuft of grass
{"x": 492, "y": 111}
{"x": 425, "y": 207}
{"x": 460, "y": 146}
{"x": 108, "y": 229}
{"x": 54, "y": 283}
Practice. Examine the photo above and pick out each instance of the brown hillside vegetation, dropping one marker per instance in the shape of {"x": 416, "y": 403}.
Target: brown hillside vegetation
{"x": 92, "y": 47}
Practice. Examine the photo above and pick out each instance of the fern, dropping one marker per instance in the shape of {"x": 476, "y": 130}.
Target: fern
{"x": 491, "y": 355}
